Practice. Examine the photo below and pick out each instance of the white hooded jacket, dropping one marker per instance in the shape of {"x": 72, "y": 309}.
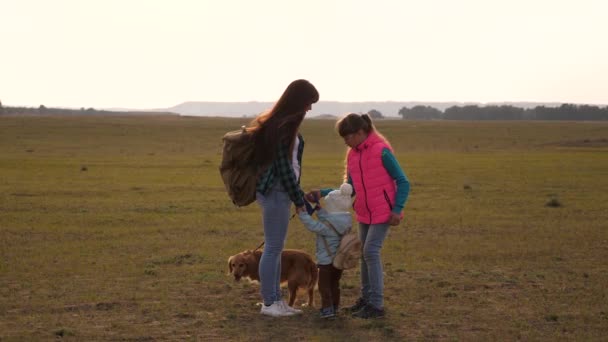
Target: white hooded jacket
{"x": 342, "y": 221}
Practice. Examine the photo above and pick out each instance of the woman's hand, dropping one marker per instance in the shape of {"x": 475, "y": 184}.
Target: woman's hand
{"x": 395, "y": 219}
{"x": 313, "y": 196}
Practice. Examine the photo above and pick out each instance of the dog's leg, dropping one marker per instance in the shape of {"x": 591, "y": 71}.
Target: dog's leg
{"x": 293, "y": 290}
{"x": 311, "y": 292}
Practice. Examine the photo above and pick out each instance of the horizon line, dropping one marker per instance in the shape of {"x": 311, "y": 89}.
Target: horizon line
{"x": 321, "y": 101}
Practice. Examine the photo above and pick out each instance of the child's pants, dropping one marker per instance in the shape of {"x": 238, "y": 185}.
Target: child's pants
{"x": 329, "y": 285}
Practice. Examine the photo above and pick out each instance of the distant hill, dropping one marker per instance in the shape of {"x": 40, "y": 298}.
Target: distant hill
{"x": 321, "y": 110}
{"x": 387, "y": 108}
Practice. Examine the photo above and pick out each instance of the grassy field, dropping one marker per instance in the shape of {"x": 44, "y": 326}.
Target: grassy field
{"x": 115, "y": 228}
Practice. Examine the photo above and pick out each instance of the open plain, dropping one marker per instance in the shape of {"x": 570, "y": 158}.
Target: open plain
{"x": 118, "y": 228}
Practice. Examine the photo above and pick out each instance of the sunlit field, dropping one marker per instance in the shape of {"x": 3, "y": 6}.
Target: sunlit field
{"x": 119, "y": 228}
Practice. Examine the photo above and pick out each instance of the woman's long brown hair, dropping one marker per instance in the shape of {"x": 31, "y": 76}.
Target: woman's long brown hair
{"x": 280, "y": 124}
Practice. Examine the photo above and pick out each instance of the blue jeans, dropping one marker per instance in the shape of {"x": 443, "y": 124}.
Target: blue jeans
{"x": 372, "y": 279}
{"x": 275, "y": 206}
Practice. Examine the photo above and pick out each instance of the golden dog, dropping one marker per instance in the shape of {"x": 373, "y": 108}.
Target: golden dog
{"x": 298, "y": 269}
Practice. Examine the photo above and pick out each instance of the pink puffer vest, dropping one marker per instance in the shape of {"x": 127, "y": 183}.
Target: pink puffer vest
{"x": 375, "y": 188}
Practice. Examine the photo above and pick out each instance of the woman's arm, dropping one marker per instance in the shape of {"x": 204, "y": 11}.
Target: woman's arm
{"x": 287, "y": 176}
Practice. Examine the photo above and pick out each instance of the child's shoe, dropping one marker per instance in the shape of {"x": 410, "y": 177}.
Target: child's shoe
{"x": 327, "y": 313}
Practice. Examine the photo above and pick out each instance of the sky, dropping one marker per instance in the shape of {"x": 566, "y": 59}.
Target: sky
{"x": 157, "y": 54}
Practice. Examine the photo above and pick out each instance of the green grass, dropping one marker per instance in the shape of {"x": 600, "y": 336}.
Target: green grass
{"x": 119, "y": 228}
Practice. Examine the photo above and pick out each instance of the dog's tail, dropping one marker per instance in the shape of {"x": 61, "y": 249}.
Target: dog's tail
{"x": 314, "y": 275}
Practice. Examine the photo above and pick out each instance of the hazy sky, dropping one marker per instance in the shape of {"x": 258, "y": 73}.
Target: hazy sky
{"x": 154, "y": 54}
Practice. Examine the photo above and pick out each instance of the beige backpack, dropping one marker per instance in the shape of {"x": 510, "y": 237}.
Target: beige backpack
{"x": 349, "y": 252}
{"x": 238, "y": 169}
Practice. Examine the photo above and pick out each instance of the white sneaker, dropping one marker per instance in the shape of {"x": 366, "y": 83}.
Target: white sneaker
{"x": 288, "y": 308}
{"x": 275, "y": 310}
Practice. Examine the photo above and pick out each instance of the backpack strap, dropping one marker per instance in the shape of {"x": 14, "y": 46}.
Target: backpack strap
{"x": 327, "y": 223}
{"x": 327, "y": 248}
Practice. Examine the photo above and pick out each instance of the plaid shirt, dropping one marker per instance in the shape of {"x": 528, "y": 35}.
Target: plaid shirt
{"x": 281, "y": 168}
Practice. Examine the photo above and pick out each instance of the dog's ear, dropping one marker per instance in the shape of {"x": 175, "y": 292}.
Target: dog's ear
{"x": 250, "y": 261}
{"x": 230, "y": 263}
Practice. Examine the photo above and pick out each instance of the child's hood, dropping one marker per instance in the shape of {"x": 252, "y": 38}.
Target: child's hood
{"x": 342, "y": 221}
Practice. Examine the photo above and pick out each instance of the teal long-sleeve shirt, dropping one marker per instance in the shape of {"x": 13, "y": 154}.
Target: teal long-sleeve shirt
{"x": 396, "y": 172}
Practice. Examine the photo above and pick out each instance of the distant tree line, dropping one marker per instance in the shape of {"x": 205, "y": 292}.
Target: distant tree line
{"x": 375, "y": 114}
{"x": 42, "y": 110}
{"x": 473, "y": 112}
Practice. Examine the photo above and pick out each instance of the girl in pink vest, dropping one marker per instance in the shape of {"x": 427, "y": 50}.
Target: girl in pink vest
{"x": 381, "y": 189}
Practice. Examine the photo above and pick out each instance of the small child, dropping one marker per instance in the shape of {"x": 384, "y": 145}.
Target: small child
{"x": 334, "y": 213}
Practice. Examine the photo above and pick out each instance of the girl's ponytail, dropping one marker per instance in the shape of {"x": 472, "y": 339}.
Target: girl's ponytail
{"x": 352, "y": 123}
{"x": 368, "y": 120}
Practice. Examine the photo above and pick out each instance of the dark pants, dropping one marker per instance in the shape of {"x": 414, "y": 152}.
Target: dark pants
{"x": 329, "y": 285}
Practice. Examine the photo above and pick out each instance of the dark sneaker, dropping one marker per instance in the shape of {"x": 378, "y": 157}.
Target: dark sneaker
{"x": 369, "y": 311}
{"x": 360, "y": 304}
{"x": 327, "y": 312}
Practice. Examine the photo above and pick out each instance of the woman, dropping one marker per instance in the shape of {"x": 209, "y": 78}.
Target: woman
{"x": 381, "y": 189}
{"x": 278, "y": 148}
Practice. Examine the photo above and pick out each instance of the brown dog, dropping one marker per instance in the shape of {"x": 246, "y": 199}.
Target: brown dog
{"x": 298, "y": 269}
